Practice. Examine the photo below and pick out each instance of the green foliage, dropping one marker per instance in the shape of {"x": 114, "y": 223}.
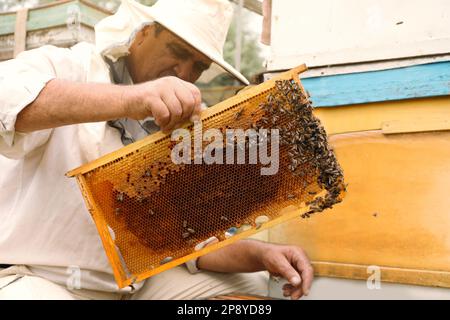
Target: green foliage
{"x": 251, "y": 60}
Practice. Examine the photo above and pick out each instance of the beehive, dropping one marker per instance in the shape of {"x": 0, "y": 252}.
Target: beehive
{"x": 151, "y": 212}
{"x": 60, "y": 23}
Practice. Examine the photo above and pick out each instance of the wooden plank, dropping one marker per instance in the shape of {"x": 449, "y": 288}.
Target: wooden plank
{"x": 419, "y": 277}
{"x": 371, "y": 116}
{"x": 108, "y": 244}
{"x": 56, "y": 15}
{"x": 7, "y": 22}
{"x": 418, "y": 81}
{"x": 58, "y": 36}
{"x": 415, "y": 125}
{"x": 371, "y": 66}
{"x": 53, "y": 15}
{"x": 91, "y": 14}
{"x": 20, "y": 32}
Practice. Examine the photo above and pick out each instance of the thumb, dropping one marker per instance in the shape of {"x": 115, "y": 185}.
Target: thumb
{"x": 288, "y": 272}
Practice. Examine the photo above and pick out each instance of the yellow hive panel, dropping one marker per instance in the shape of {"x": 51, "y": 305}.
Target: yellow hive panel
{"x": 151, "y": 212}
{"x": 395, "y": 215}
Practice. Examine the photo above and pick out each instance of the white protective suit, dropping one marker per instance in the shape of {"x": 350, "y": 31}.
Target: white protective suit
{"x": 44, "y": 223}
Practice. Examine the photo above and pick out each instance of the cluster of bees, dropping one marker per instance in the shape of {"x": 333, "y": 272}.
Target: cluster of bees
{"x": 289, "y": 110}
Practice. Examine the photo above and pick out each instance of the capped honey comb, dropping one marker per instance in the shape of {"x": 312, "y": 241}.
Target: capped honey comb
{"x": 151, "y": 212}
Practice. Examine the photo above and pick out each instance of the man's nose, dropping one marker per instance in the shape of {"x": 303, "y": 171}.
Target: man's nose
{"x": 184, "y": 70}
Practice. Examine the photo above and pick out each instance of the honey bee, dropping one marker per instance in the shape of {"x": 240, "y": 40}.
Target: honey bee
{"x": 166, "y": 260}
{"x": 185, "y": 235}
{"x": 238, "y": 114}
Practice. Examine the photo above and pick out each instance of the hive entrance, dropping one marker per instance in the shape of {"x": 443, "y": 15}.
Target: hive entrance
{"x": 151, "y": 212}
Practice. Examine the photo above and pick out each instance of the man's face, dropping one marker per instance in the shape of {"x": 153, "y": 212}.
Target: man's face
{"x": 155, "y": 55}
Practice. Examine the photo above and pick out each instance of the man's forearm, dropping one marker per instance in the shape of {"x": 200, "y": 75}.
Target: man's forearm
{"x": 63, "y": 102}
{"x": 241, "y": 256}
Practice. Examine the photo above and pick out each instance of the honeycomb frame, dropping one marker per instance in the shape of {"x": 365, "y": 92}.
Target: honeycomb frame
{"x": 120, "y": 227}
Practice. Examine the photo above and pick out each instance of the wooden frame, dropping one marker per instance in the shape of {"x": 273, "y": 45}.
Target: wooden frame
{"x": 122, "y": 277}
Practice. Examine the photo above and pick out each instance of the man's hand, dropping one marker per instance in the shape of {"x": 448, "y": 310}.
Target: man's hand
{"x": 170, "y": 100}
{"x": 291, "y": 263}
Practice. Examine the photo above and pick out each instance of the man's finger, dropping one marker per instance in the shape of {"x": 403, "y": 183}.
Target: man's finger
{"x": 288, "y": 272}
{"x": 306, "y": 270}
{"x": 287, "y": 293}
{"x": 176, "y": 111}
{"x": 160, "y": 113}
{"x": 187, "y": 100}
{"x": 294, "y": 292}
{"x": 197, "y": 101}
{"x": 195, "y": 92}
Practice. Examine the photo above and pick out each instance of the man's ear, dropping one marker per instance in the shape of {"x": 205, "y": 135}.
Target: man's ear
{"x": 143, "y": 33}
{"x": 145, "y": 30}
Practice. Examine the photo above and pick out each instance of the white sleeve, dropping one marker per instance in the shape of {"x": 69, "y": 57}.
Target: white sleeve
{"x": 21, "y": 81}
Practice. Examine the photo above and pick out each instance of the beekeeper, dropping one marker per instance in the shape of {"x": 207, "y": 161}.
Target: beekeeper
{"x": 60, "y": 108}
